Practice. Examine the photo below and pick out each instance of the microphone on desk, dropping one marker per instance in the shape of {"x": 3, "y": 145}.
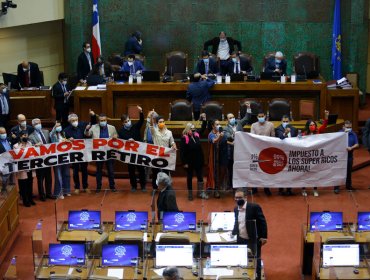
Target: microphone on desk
{"x": 213, "y": 219}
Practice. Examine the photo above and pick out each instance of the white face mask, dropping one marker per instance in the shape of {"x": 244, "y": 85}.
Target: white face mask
{"x": 88, "y": 50}
{"x": 64, "y": 82}
{"x": 38, "y": 127}
{"x": 4, "y": 90}
{"x": 25, "y": 69}
{"x": 58, "y": 129}
{"x": 130, "y": 63}
{"x": 75, "y": 123}
{"x": 23, "y": 124}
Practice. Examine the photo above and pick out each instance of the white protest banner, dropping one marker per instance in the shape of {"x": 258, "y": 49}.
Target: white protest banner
{"x": 86, "y": 150}
{"x": 312, "y": 161}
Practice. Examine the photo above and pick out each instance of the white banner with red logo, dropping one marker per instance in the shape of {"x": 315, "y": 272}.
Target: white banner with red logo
{"x": 86, "y": 150}
{"x": 312, "y": 161}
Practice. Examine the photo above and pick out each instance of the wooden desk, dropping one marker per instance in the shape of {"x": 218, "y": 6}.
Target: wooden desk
{"x": 129, "y": 235}
{"x": 344, "y": 273}
{"x": 149, "y": 273}
{"x": 238, "y": 271}
{"x": 362, "y": 236}
{"x": 129, "y": 272}
{"x": 44, "y": 270}
{"x": 194, "y": 237}
{"x": 80, "y": 235}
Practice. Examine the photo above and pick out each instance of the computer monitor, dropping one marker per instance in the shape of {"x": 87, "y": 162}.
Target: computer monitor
{"x": 174, "y": 255}
{"x": 84, "y": 220}
{"x": 67, "y": 254}
{"x": 151, "y": 76}
{"x": 12, "y": 80}
{"x": 179, "y": 221}
{"x": 363, "y": 220}
{"x": 120, "y": 255}
{"x": 131, "y": 220}
{"x": 229, "y": 255}
{"x": 341, "y": 255}
{"x": 326, "y": 221}
{"x": 222, "y": 221}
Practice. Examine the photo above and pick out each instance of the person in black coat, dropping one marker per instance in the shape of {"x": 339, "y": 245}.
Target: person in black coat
{"x": 166, "y": 201}
{"x": 60, "y": 93}
{"x": 131, "y": 132}
{"x": 276, "y": 64}
{"x": 5, "y": 146}
{"x": 252, "y": 230}
{"x": 134, "y": 44}
{"x": 22, "y": 126}
{"x": 28, "y": 74}
{"x": 4, "y": 105}
{"x": 207, "y": 65}
{"x": 237, "y": 65}
{"x": 85, "y": 62}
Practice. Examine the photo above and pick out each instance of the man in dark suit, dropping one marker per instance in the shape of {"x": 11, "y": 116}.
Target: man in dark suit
{"x": 85, "y": 62}
{"x": 250, "y": 226}
{"x": 285, "y": 130}
{"x": 207, "y": 65}
{"x": 103, "y": 67}
{"x": 5, "y": 146}
{"x": 29, "y": 74}
{"x": 238, "y": 65}
{"x": 276, "y": 64}
{"x": 4, "y": 105}
{"x": 22, "y": 126}
{"x": 134, "y": 44}
{"x": 166, "y": 201}
{"x": 132, "y": 65}
{"x": 61, "y": 93}
{"x": 223, "y": 46}
{"x": 41, "y": 137}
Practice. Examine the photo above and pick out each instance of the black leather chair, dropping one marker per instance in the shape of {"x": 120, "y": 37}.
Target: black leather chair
{"x": 247, "y": 57}
{"x": 115, "y": 59}
{"x": 213, "y": 110}
{"x": 306, "y": 64}
{"x": 181, "y": 110}
{"x": 265, "y": 58}
{"x": 277, "y": 108}
{"x": 42, "y": 78}
{"x": 174, "y": 239}
{"x": 255, "y": 106}
{"x": 176, "y": 62}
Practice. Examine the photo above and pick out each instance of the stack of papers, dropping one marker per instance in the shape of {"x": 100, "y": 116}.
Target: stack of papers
{"x": 115, "y": 272}
{"x": 80, "y": 88}
{"x": 218, "y": 271}
{"x": 339, "y": 84}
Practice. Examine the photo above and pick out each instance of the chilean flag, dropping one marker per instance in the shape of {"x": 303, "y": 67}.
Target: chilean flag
{"x": 95, "y": 41}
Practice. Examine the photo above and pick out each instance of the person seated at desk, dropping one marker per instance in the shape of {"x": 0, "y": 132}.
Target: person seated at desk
{"x": 171, "y": 273}
{"x": 237, "y": 66}
{"x": 207, "y": 65}
{"x": 94, "y": 78}
{"x": 276, "y": 64}
{"x": 104, "y": 67}
{"x": 133, "y": 65}
{"x": 134, "y": 44}
{"x": 166, "y": 201}
{"x": 29, "y": 74}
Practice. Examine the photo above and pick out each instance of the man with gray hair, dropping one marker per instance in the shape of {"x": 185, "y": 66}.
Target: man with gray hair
{"x": 166, "y": 201}
{"x": 276, "y": 64}
{"x": 40, "y": 137}
{"x": 171, "y": 273}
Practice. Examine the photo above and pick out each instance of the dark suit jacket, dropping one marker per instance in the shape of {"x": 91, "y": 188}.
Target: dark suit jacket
{"x": 279, "y": 131}
{"x": 34, "y": 75}
{"x": 83, "y": 66}
{"x": 253, "y": 212}
{"x": 216, "y": 41}
{"x": 6, "y": 94}
{"x": 166, "y": 201}
{"x": 58, "y": 94}
{"x": 107, "y": 68}
{"x": 212, "y": 66}
{"x": 271, "y": 65}
{"x": 2, "y": 149}
{"x": 17, "y": 130}
{"x": 132, "y": 46}
{"x": 244, "y": 66}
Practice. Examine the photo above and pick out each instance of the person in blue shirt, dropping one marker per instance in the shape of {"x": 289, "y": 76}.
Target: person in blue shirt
{"x": 134, "y": 44}
{"x": 198, "y": 92}
{"x": 132, "y": 65}
{"x": 207, "y": 65}
{"x": 352, "y": 145}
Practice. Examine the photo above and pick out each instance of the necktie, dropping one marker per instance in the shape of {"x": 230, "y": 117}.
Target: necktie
{"x": 237, "y": 68}
{"x": 207, "y": 69}
{"x": 26, "y": 79}
{"x": 132, "y": 70}
{"x": 42, "y": 137}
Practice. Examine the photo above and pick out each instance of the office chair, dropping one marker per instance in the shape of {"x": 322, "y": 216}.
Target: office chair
{"x": 213, "y": 110}
{"x": 181, "y": 110}
{"x": 98, "y": 244}
{"x": 174, "y": 239}
{"x": 277, "y": 108}
{"x": 307, "y": 109}
{"x": 256, "y": 106}
{"x": 247, "y": 57}
{"x": 306, "y": 64}
{"x": 176, "y": 62}
{"x": 265, "y": 58}
{"x": 115, "y": 59}
{"x": 42, "y": 78}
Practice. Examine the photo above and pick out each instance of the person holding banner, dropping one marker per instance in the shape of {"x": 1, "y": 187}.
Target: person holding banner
{"x": 5, "y": 146}
{"x": 25, "y": 178}
{"x": 22, "y": 126}
{"x": 103, "y": 130}
{"x": 311, "y": 128}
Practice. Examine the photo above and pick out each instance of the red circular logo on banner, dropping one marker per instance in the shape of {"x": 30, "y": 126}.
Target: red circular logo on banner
{"x": 272, "y": 160}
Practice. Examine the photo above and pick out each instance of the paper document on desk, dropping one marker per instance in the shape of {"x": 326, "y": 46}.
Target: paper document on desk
{"x": 218, "y": 271}
{"x": 70, "y": 271}
{"x": 102, "y": 86}
{"x": 213, "y": 237}
{"x": 80, "y": 88}
{"x": 92, "y": 88}
{"x": 228, "y": 237}
{"x": 145, "y": 237}
{"x": 159, "y": 271}
{"x": 115, "y": 272}
{"x": 158, "y": 236}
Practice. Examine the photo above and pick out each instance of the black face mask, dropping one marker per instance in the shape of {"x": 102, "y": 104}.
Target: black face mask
{"x": 240, "y": 202}
{"x": 25, "y": 139}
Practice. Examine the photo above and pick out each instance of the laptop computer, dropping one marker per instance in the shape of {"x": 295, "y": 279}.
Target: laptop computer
{"x": 179, "y": 221}
{"x": 151, "y": 76}
{"x": 234, "y": 77}
{"x": 174, "y": 255}
{"x": 120, "y": 255}
{"x": 120, "y": 76}
{"x": 326, "y": 221}
{"x": 222, "y": 221}
{"x": 131, "y": 220}
{"x": 363, "y": 221}
{"x": 332, "y": 118}
{"x": 67, "y": 254}
{"x": 229, "y": 255}
{"x": 84, "y": 220}
{"x": 270, "y": 76}
{"x": 341, "y": 255}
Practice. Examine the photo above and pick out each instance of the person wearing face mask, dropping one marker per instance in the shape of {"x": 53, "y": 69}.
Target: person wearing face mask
{"x": 198, "y": 92}
{"x": 62, "y": 177}
{"x": 28, "y": 74}
{"x": 134, "y": 45}
{"x": 250, "y": 226}
{"x": 161, "y": 137}
{"x": 40, "y": 137}
{"x": 104, "y": 68}
{"x": 103, "y": 130}
{"x": 276, "y": 64}
{"x": 206, "y": 65}
{"x": 4, "y": 105}
{"x": 191, "y": 154}
{"x": 85, "y": 62}
{"x": 22, "y": 126}
{"x": 25, "y": 178}
{"x": 131, "y": 132}
{"x": 223, "y": 46}
{"x": 285, "y": 130}
{"x": 76, "y": 130}
{"x": 264, "y": 128}
{"x": 5, "y": 146}
{"x": 132, "y": 65}
{"x": 237, "y": 65}
{"x": 166, "y": 201}
{"x": 352, "y": 145}
{"x": 61, "y": 94}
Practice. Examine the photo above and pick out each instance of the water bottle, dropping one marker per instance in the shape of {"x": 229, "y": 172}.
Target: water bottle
{"x": 299, "y": 134}
{"x": 14, "y": 261}
{"x": 39, "y": 225}
{"x": 208, "y": 263}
